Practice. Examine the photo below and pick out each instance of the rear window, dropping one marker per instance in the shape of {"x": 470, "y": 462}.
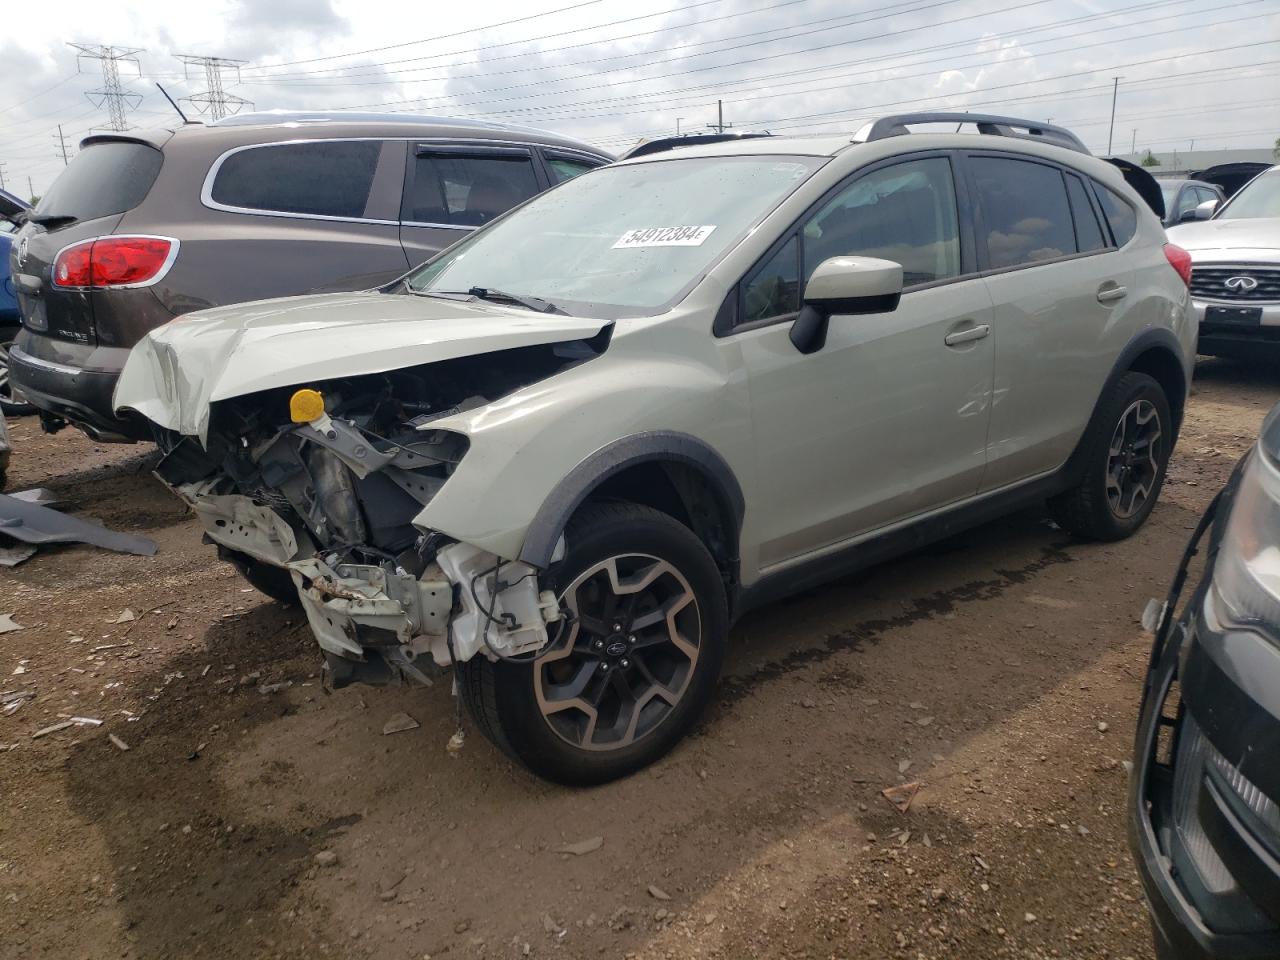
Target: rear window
{"x": 104, "y": 179}
{"x": 327, "y": 179}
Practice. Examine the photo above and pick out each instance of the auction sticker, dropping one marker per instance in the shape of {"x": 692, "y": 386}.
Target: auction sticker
{"x": 664, "y": 237}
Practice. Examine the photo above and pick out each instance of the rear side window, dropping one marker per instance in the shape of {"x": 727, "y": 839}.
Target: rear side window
{"x": 1025, "y": 211}
{"x": 104, "y": 179}
{"x": 327, "y": 179}
{"x": 566, "y": 168}
{"x": 1089, "y": 235}
{"x": 1121, "y": 216}
{"x": 466, "y": 191}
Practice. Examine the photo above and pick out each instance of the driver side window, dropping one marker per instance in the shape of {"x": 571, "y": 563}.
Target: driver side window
{"x": 905, "y": 213}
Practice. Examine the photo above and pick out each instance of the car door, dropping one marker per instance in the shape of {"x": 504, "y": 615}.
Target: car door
{"x": 1056, "y": 281}
{"x": 889, "y": 418}
{"x": 451, "y": 189}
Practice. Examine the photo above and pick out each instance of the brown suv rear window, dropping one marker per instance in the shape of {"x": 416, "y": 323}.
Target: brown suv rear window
{"x": 104, "y": 179}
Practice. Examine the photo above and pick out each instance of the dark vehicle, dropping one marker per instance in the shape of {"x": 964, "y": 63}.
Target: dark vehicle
{"x": 1181, "y": 197}
{"x": 13, "y": 210}
{"x": 143, "y": 227}
{"x": 1230, "y": 177}
{"x": 1205, "y": 795}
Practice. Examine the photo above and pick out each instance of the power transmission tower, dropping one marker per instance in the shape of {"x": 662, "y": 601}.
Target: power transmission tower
{"x": 62, "y": 147}
{"x": 214, "y": 100}
{"x": 112, "y": 95}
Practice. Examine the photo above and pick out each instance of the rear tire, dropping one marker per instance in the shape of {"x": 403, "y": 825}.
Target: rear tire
{"x": 625, "y": 680}
{"x": 1126, "y": 454}
{"x": 8, "y": 405}
{"x": 275, "y": 582}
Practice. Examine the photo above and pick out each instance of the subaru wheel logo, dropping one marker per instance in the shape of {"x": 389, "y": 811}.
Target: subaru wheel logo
{"x": 1240, "y": 284}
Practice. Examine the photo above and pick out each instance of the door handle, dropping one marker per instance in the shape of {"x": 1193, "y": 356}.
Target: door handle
{"x": 968, "y": 334}
{"x": 1110, "y": 291}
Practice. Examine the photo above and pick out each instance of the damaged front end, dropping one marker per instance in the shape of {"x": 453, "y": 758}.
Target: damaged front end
{"x": 325, "y": 480}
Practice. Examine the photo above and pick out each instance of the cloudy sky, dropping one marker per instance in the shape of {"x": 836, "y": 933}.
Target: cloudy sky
{"x": 1202, "y": 72}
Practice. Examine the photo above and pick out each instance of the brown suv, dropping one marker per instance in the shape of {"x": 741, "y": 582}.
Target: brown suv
{"x": 142, "y": 227}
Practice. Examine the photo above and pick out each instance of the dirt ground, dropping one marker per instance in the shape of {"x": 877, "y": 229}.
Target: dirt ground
{"x": 1001, "y": 669}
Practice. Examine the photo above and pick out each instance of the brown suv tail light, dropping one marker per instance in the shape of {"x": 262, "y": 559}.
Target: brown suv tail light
{"x": 1180, "y": 260}
{"x": 105, "y": 262}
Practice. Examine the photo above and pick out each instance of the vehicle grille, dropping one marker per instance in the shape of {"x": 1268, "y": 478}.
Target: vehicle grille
{"x": 1210, "y": 283}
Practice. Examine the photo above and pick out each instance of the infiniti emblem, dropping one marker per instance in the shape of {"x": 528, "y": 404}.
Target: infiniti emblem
{"x": 1240, "y": 284}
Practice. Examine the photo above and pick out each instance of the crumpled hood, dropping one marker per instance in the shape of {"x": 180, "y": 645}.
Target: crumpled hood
{"x": 178, "y": 370}
{"x": 1222, "y": 240}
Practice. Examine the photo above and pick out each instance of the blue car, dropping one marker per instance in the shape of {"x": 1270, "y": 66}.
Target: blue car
{"x": 13, "y": 211}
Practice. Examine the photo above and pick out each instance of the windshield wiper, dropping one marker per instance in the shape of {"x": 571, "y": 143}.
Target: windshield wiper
{"x": 499, "y": 296}
{"x": 52, "y": 219}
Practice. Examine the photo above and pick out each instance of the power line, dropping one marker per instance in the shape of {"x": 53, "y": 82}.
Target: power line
{"x": 682, "y": 101}
{"x": 379, "y": 68}
{"x": 809, "y": 120}
{"x": 301, "y": 74}
{"x": 443, "y": 36}
{"x": 214, "y": 100}
{"x": 112, "y": 94}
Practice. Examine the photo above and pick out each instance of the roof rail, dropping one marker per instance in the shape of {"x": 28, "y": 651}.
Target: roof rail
{"x": 896, "y": 126}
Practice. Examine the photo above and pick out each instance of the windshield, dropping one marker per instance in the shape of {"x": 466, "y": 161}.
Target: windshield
{"x": 1260, "y": 198}
{"x": 620, "y": 241}
{"x": 1170, "y": 191}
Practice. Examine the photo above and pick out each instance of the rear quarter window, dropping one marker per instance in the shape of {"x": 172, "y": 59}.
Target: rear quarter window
{"x": 327, "y": 179}
{"x": 1121, "y": 217}
{"x": 104, "y": 179}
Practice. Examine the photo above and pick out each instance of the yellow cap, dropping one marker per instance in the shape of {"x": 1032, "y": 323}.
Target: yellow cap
{"x": 306, "y": 405}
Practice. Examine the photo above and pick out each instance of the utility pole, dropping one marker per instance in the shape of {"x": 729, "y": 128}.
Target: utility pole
{"x": 31, "y": 187}
{"x": 214, "y": 100}
{"x": 719, "y": 126}
{"x": 1115, "y": 89}
{"x": 62, "y": 147}
{"x": 1133, "y": 146}
{"x": 112, "y": 95}
{"x": 678, "y": 119}
{"x": 2, "y": 183}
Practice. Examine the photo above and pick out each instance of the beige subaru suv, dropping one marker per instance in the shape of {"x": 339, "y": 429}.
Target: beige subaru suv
{"x": 565, "y": 455}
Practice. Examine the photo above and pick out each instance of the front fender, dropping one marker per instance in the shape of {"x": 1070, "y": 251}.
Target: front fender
{"x": 523, "y": 446}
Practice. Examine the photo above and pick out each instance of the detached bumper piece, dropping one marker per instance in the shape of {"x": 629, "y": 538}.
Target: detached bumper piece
{"x": 1205, "y": 797}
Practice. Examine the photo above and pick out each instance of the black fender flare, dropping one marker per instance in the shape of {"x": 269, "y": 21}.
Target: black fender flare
{"x": 1158, "y": 338}
{"x": 658, "y": 445}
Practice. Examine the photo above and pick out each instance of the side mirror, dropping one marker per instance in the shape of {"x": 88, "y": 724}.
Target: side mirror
{"x": 1205, "y": 210}
{"x": 844, "y": 285}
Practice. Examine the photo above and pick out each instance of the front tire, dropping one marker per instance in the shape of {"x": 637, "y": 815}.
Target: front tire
{"x": 275, "y": 582}
{"x": 630, "y": 673}
{"x": 1126, "y": 455}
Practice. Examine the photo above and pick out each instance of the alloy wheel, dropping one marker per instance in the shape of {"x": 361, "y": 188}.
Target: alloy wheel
{"x": 1133, "y": 464}
{"x": 626, "y": 656}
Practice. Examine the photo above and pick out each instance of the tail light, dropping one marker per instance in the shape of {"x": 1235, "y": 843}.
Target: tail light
{"x": 1180, "y": 260}
{"x": 114, "y": 262}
